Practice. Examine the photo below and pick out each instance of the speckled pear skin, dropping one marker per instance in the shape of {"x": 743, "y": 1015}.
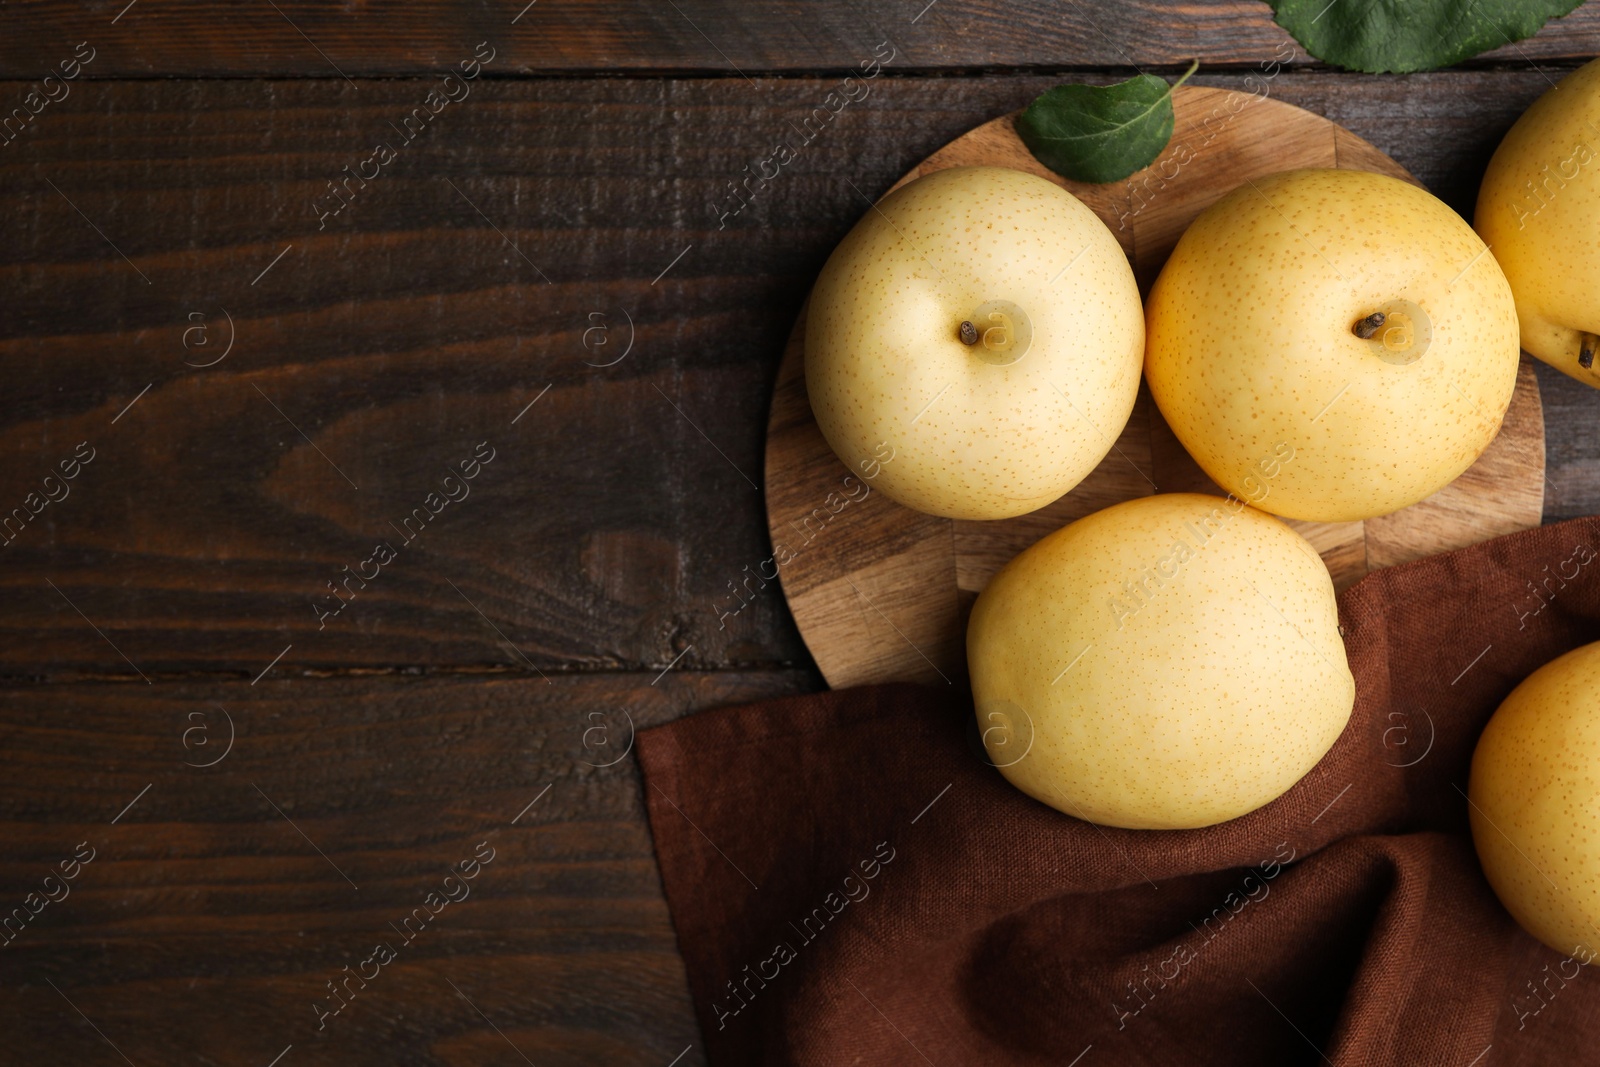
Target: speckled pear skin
{"x": 1167, "y": 663}
{"x": 1539, "y": 209}
{"x": 1249, "y": 343}
{"x": 885, "y": 364}
{"x": 1535, "y": 802}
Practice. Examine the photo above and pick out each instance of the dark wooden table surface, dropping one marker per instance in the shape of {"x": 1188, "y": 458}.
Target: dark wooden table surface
{"x": 271, "y": 378}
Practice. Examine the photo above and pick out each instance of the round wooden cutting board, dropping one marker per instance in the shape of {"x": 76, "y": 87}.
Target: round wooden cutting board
{"x": 881, "y": 593}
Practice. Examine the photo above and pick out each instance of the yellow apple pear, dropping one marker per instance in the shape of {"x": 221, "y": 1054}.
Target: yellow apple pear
{"x": 1535, "y": 802}
{"x": 985, "y": 325}
{"x": 1170, "y": 662}
{"x": 1349, "y": 317}
{"x": 1539, "y": 209}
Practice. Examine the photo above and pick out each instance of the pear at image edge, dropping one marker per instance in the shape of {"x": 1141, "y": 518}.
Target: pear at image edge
{"x": 1539, "y": 209}
{"x": 1252, "y": 343}
{"x": 1534, "y": 808}
{"x": 1198, "y": 700}
{"x": 1007, "y": 424}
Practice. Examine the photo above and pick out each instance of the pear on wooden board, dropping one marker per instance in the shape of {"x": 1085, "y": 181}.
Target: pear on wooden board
{"x": 982, "y": 326}
{"x": 1170, "y": 662}
{"x": 1349, "y": 317}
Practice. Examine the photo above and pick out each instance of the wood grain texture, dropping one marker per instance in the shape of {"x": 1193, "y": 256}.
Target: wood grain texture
{"x": 909, "y": 627}
{"x": 408, "y": 330}
{"x": 206, "y": 925}
{"x": 319, "y": 39}
{"x": 1572, "y": 445}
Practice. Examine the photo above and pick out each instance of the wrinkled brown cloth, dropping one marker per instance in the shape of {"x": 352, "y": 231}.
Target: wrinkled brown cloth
{"x": 995, "y": 930}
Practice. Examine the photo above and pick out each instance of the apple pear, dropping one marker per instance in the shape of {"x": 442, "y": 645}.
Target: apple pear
{"x": 985, "y": 325}
{"x": 1534, "y": 802}
{"x": 1539, "y": 209}
{"x": 1351, "y": 318}
{"x": 1170, "y": 662}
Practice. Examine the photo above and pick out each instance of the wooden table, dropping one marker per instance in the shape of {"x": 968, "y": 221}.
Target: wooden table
{"x": 274, "y": 741}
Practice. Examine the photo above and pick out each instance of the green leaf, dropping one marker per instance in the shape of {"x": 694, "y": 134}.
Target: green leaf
{"x": 1397, "y": 36}
{"x": 1101, "y": 133}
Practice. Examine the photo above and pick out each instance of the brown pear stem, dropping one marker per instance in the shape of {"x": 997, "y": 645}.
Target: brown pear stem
{"x": 969, "y": 334}
{"x": 1370, "y": 325}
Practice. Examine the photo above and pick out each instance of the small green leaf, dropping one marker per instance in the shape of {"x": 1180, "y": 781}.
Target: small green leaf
{"x": 1397, "y": 36}
{"x": 1101, "y": 133}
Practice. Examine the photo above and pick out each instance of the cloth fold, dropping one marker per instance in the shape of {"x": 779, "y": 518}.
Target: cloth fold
{"x": 853, "y": 883}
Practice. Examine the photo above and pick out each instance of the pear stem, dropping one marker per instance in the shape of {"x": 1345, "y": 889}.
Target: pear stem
{"x": 1586, "y": 347}
{"x": 1370, "y": 325}
{"x": 969, "y": 334}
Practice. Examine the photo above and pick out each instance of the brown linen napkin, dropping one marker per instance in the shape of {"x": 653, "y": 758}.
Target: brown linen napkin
{"x": 852, "y": 884}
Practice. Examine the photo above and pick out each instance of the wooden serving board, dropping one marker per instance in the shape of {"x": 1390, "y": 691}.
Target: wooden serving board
{"x": 881, "y": 593}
